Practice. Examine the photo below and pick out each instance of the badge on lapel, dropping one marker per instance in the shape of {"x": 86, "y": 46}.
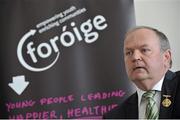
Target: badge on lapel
{"x": 166, "y": 102}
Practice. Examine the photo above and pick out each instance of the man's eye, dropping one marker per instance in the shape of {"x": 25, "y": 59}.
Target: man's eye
{"x": 145, "y": 50}
{"x": 128, "y": 53}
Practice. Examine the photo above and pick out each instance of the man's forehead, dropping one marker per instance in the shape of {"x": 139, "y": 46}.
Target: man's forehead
{"x": 140, "y": 30}
{"x": 141, "y": 35}
{"x": 133, "y": 46}
{"x": 139, "y": 40}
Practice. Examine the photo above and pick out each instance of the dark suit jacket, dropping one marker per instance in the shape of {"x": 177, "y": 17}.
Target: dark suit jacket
{"x": 171, "y": 86}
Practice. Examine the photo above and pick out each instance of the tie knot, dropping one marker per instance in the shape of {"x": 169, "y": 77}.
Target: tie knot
{"x": 149, "y": 94}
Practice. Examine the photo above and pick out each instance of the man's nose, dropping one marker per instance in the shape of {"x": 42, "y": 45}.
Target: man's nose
{"x": 136, "y": 56}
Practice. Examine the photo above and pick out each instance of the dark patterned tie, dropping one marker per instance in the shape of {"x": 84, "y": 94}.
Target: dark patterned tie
{"x": 151, "y": 107}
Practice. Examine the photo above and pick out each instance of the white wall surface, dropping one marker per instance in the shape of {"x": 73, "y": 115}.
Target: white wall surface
{"x": 165, "y": 16}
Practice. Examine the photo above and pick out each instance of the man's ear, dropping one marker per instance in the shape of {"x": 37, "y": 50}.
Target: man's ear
{"x": 167, "y": 58}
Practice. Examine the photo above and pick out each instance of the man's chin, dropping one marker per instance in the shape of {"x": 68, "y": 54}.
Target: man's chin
{"x": 139, "y": 78}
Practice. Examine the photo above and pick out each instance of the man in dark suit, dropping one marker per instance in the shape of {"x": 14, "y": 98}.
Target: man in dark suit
{"x": 147, "y": 57}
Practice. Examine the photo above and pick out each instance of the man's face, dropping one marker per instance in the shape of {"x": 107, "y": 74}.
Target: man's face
{"x": 142, "y": 55}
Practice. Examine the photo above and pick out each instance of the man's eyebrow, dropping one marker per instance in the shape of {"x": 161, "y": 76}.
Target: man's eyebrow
{"x": 145, "y": 45}
{"x": 128, "y": 49}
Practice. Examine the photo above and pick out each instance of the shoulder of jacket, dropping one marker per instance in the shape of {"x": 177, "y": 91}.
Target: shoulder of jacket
{"x": 178, "y": 73}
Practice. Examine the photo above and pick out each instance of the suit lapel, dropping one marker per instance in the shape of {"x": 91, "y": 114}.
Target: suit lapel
{"x": 132, "y": 107}
{"x": 168, "y": 89}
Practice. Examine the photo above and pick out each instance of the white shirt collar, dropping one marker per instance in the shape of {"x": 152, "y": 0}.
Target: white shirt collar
{"x": 157, "y": 87}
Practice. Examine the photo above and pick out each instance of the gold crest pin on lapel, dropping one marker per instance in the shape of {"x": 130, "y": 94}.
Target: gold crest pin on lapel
{"x": 166, "y": 102}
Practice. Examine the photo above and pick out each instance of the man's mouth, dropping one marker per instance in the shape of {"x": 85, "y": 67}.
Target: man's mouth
{"x": 137, "y": 68}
